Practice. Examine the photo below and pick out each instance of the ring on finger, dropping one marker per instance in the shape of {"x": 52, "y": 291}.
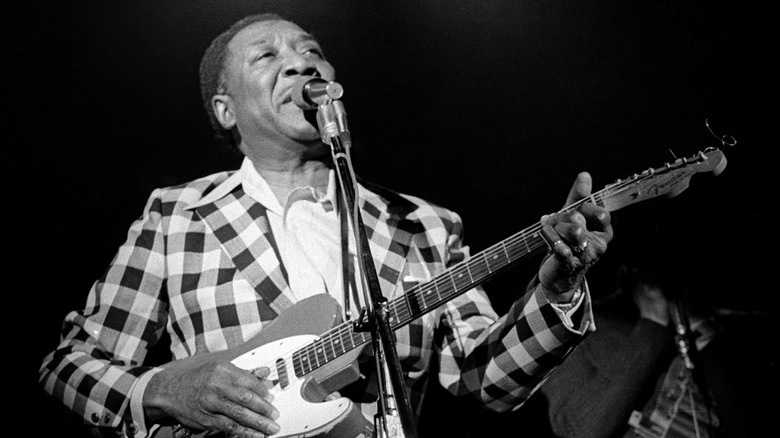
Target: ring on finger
{"x": 580, "y": 248}
{"x": 551, "y": 246}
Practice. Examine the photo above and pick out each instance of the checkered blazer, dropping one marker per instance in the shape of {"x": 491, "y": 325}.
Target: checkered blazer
{"x": 201, "y": 264}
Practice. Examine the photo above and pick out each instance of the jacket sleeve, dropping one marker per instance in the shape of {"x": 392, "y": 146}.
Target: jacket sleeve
{"x": 102, "y": 347}
{"x": 501, "y": 361}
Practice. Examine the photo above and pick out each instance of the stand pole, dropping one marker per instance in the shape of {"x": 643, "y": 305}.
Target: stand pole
{"x": 393, "y": 400}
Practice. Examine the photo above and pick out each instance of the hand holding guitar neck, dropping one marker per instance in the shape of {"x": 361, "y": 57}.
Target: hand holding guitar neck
{"x": 577, "y": 238}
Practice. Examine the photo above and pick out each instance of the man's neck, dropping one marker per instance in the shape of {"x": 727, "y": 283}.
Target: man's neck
{"x": 286, "y": 170}
{"x": 283, "y": 179}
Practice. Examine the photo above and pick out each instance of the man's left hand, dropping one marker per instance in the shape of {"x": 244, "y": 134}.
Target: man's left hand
{"x": 578, "y": 238}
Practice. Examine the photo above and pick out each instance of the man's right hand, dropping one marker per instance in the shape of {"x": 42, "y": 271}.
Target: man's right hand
{"x": 215, "y": 397}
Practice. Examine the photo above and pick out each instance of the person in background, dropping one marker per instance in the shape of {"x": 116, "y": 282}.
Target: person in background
{"x": 665, "y": 360}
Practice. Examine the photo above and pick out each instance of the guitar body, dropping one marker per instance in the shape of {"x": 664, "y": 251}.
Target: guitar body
{"x": 301, "y": 401}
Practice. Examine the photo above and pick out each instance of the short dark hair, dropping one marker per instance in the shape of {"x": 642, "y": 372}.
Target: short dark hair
{"x": 212, "y": 67}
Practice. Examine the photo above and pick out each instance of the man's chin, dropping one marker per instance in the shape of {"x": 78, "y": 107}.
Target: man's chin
{"x": 303, "y": 131}
{"x": 308, "y": 136}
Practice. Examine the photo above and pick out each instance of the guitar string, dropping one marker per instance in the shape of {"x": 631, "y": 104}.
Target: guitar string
{"x": 418, "y": 291}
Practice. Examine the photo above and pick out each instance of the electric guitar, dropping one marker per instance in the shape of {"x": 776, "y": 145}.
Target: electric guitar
{"x": 311, "y": 353}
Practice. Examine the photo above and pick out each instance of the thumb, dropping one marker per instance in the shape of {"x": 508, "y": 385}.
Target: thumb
{"x": 580, "y": 189}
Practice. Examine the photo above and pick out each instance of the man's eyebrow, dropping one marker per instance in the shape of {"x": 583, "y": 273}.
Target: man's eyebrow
{"x": 308, "y": 37}
{"x": 303, "y": 38}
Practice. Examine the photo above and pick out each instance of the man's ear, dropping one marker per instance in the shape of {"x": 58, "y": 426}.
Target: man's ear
{"x": 223, "y": 110}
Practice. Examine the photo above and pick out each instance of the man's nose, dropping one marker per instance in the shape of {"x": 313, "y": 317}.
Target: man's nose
{"x": 299, "y": 65}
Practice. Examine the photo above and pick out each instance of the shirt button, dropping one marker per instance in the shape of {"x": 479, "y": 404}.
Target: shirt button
{"x": 95, "y": 417}
{"x": 107, "y": 418}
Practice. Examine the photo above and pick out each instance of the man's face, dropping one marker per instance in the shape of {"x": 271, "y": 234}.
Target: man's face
{"x": 264, "y": 60}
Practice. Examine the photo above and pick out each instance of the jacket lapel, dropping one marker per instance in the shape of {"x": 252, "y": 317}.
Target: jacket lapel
{"x": 390, "y": 231}
{"x": 242, "y": 227}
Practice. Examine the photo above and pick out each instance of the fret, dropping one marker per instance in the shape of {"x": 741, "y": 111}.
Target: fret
{"x": 424, "y": 290}
{"x": 436, "y": 281}
{"x": 348, "y": 339}
{"x": 461, "y": 281}
{"x": 416, "y": 301}
{"x": 393, "y": 318}
{"x": 316, "y": 350}
{"x": 484, "y": 265}
{"x": 400, "y": 309}
{"x": 298, "y": 367}
{"x": 336, "y": 343}
{"x": 516, "y": 249}
{"x": 468, "y": 270}
{"x": 506, "y": 254}
{"x": 494, "y": 259}
{"x": 364, "y": 337}
{"x": 598, "y": 199}
{"x": 329, "y": 351}
{"x": 404, "y": 300}
{"x": 431, "y": 292}
{"x": 311, "y": 358}
{"x": 525, "y": 241}
{"x": 302, "y": 363}
{"x": 536, "y": 239}
{"x": 450, "y": 285}
{"x": 521, "y": 246}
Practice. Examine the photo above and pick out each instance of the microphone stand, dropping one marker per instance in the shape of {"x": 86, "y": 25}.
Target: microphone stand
{"x": 394, "y": 414}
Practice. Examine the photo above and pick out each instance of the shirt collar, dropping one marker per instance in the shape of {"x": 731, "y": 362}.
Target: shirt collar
{"x": 258, "y": 188}
{"x": 239, "y": 178}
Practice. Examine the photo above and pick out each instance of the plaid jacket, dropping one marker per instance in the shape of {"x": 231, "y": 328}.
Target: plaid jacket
{"x": 201, "y": 265}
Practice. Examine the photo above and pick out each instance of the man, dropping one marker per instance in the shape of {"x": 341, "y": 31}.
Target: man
{"x": 214, "y": 261}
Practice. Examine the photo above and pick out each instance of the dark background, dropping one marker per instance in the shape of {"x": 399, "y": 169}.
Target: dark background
{"x": 490, "y": 108}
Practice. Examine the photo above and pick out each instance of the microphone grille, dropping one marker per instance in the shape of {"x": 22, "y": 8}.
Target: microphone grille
{"x": 299, "y": 91}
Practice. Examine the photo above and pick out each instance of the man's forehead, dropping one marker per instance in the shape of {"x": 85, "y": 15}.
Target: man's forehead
{"x": 268, "y": 31}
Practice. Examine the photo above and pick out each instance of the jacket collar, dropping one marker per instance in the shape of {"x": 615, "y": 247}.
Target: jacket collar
{"x": 242, "y": 227}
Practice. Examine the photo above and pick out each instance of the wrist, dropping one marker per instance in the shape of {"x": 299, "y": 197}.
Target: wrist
{"x": 153, "y": 401}
{"x": 569, "y": 296}
{"x": 572, "y": 303}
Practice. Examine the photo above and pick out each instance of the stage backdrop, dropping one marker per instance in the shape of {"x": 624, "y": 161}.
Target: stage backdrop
{"x": 490, "y": 108}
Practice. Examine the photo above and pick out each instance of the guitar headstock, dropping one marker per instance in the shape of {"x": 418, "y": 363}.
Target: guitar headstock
{"x": 667, "y": 181}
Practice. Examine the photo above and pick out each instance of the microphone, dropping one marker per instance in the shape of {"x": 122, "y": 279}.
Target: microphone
{"x": 310, "y": 92}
